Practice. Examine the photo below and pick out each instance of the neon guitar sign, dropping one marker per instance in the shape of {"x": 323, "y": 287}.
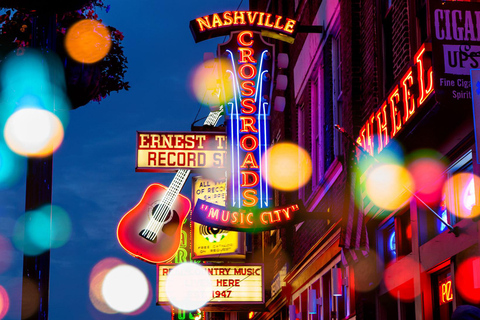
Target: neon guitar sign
{"x": 151, "y": 231}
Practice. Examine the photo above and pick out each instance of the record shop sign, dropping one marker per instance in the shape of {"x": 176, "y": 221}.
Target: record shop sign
{"x": 170, "y": 151}
{"x": 456, "y": 50}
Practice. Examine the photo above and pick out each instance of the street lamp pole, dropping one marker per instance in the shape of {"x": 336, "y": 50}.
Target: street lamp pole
{"x": 36, "y": 269}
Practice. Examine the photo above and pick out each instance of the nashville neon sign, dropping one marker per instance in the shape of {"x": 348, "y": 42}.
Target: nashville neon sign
{"x": 401, "y": 105}
{"x": 250, "y": 64}
{"x": 218, "y": 24}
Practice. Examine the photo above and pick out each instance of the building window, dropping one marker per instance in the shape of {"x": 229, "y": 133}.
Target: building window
{"x": 389, "y": 243}
{"x": 459, "y": 191}
{"x": 317, "y": 128}
{"x": 457, "y": 196}
{"x": 305, "y": 133}
{"x": 331, "y": 307}
{"x": 337, "y": 93}
{"x": 388, "y": 72}
{"x": 327, "y": 295}
{"x": 403, "y": 229}
{"x": 421, "y": 6}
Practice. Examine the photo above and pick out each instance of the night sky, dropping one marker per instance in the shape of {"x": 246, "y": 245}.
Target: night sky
{"x": 94, "y": 178}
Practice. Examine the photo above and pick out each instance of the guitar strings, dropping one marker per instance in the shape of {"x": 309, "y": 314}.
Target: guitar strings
{"x": 163, "y": 208}
{"x": 161, "y": 212}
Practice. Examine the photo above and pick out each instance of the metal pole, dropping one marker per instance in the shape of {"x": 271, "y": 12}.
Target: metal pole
{"x": 36, "y": 269}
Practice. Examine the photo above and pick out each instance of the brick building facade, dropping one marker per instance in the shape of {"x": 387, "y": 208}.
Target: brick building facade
{"x": 389, "y": 73}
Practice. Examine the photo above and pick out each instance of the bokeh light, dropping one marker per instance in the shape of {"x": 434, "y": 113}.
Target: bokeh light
{"x": 4, "y": 302}
{"x": 206, "y": 84}
{"x": 35, "y": 79}
{"x": 125, "y": 288}
{"x": 88, "y": 41}
{"x": 39, "y": 230}
{"x": 289, "y": 167}
{"x": 389, "y": 186}
{"x": 399, "y": 271}
{"x": 33, "y": 132}
{"x": 428, "y": 173}
{"x": 188, "y": 286}
{"x": 459, "y": 191}
{"x": 467, "y": 280}
{"x": 12, "y": 167}
{"x": 97, "y": 275}
{"x": 6, "y": 255}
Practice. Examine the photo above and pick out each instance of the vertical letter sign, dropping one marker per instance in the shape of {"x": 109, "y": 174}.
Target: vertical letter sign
{"x": 247, "y": 74}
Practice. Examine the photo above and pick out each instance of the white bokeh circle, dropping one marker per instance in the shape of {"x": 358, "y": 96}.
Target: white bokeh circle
{"x": 188, "y": 286}
{"x": 125, "y": 288}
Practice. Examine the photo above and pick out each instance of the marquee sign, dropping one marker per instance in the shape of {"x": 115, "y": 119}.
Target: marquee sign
{"x": 232, "y": 284}
{"x": 456, "y": 49}
{"x": 252, "y": 220}
{"x": 250, "y": 68}
{"x": 220, "y": 24}
{"x": 170, "y": 151}
{"x": 401, "y": 105}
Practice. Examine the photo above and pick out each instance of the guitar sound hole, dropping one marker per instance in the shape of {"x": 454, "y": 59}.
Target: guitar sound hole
{"x": 160, "y": 216}
{"x": 170, "y": 221}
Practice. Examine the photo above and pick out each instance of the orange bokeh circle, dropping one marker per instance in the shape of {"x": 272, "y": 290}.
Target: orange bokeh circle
{"x": 88, "y": 41}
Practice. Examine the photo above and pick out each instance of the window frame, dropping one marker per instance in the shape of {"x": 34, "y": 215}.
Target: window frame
{"x": 333, "y": 302}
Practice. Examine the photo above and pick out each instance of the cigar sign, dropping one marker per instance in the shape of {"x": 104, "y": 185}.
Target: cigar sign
{"x": 169, "y": 151}
{"x": 456, "y": 49}
{"x": 232, "y": 284}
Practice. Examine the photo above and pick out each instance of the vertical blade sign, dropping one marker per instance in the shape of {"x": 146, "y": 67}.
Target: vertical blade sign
{"x": 247, "y": 73}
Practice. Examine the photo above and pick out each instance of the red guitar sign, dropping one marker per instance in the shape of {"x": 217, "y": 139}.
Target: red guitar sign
{"x": 151, "y": 231}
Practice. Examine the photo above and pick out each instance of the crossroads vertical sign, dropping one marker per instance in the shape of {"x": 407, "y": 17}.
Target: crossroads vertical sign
{"x": 249, "y": 69}
{"x": 248, "y": 74}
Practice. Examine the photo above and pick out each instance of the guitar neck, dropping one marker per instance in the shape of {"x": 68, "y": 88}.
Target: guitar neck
{"x": 181, "y": 176}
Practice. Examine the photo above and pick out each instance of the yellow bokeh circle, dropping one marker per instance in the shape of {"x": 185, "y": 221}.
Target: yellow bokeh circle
{"x": 389, "y": 186}
{"x": 88, "y": 41}
{"x": 288, "y": 166}
{"x": 33, "y": 132}
{"x": 461, "y": 196}
{"x": 211, "y": 83}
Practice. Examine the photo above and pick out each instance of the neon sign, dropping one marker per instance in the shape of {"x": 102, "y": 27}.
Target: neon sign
{"x": 250, "y": 64}
{"x": 210, "y": 214}
{"x": 445, "y": 290}
{"x": 233, "y": 283}
{"x": 401, "y": 105}
{"x": 219, "y": 24}
{"x": 168, "y": 151}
